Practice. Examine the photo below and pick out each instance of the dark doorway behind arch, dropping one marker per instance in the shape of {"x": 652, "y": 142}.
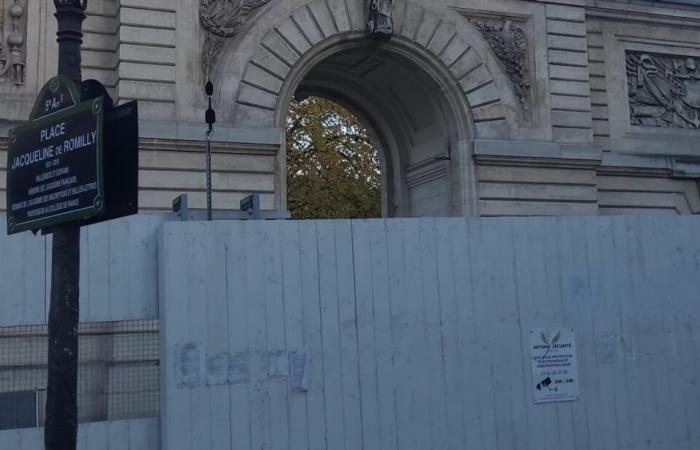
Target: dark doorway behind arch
{"x": 333, "y": 166}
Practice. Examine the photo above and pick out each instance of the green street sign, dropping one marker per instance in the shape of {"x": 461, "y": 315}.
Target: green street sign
{"x": 59, "y": 94}
{"x": 55, "y": 161}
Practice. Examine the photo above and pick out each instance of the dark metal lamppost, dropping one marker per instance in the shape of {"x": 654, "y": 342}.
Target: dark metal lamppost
{"x": 61, "y": 427}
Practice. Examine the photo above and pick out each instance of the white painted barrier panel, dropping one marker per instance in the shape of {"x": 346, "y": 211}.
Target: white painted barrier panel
{"x": 22, "y": 278}
{"x": 141, "y": 434}
{"x": 119, "y": 269}
{"x": 414, "y": 334}
{"x": 118, "y": 272}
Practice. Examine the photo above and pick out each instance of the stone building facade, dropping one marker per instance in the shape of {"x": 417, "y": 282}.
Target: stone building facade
{"x": 480, "y": 107}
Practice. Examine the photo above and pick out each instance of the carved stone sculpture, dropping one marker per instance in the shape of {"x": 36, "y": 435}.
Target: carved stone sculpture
{"x": 222, "y": 19}
{"x": 4, "y": 48}
{"x": 664, "y": 90}
{"x": 12, "y": 63}
{"x": 380, "y": 22}
{"x": 509, "y": 43}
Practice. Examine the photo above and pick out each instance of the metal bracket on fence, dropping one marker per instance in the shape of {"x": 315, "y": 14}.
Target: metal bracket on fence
{"x": 250, "y": 210}
{"x": 251, "y": 205}
{"x": 180, "y": 207}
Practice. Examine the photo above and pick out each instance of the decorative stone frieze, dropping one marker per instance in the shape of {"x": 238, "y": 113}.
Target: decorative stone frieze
{"x": 509, "y": 43}
{"x": 222, "y": 19}
{"x": 664, "y": 90}
{"x": 12, "y": 58}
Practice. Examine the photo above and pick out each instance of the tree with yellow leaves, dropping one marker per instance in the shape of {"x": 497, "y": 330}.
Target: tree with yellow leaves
{"x": 332, "y": 165}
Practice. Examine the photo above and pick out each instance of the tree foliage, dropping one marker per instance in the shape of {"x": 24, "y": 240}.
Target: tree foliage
{"x": 332, "y": 166}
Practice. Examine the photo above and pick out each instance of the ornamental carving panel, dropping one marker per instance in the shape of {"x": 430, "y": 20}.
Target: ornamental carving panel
{"x": 222, "y": 19}
{"x": 12, "y": 58}
{"x": 664, "y": 90}
{"x": 509, "y": 43}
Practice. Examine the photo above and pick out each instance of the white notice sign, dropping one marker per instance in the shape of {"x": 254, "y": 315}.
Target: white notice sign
{"x": 554, "y": 371}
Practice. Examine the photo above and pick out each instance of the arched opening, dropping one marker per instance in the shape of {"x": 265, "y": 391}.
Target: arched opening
{"x": 415, "y": 113}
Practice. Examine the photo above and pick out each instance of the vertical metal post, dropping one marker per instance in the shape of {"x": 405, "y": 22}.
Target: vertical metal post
{"x": 61, "y": 427}
{"x": 210, "y": 118}
{"x": 210, "y": 133}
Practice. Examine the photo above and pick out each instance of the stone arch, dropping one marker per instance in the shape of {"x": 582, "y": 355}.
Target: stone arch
{"x": 289, "y": 39}
{"x": 445, "y": 35}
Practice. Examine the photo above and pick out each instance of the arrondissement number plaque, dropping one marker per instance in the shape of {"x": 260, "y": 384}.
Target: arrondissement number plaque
{"x": 54, "y": 163}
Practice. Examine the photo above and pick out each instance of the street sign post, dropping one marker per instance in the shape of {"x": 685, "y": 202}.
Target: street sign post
{"x": 61, "y": 423}
{"x": 74, "y": 163}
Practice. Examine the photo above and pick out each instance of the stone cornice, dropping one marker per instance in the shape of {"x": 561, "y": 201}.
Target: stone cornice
{"x": 147, "y": 144}
{"x": 537, "y": 154}
{"x": 654, "y": 13}
{"x": 552, "y": 155}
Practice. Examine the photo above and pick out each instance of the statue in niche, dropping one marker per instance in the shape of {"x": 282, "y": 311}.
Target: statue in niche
{"x": 664, "y": 90}
{"x": 380, "y": 22}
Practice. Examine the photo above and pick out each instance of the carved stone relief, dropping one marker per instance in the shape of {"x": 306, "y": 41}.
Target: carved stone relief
{"x": 222, "y": 19}
{"x": 664, "y": 90}
{"x": 510, "y": 45}
{"x": 380, "y": 22}
{"x": 12, "y": 59}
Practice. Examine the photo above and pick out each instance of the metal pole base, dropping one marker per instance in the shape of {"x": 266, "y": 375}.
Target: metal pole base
{"x": 61, "y": 395}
